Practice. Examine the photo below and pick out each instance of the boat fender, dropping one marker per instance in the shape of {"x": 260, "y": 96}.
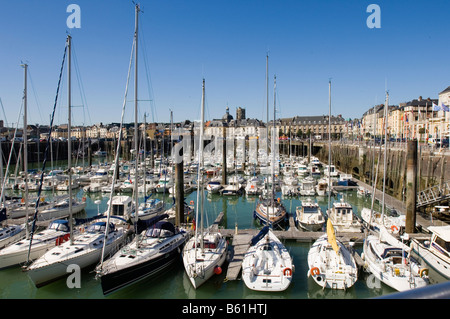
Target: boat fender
{"x": 315, "y": 271}
{"x": 287, "y": 271}
{"x": 423, "y": 272}
{"x": 217, "y": 270}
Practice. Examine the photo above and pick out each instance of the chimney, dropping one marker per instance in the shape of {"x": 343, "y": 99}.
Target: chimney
{"x": 420, "y": 98}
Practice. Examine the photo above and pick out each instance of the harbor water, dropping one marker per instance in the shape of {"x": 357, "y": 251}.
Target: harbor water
{"x": 174, "y": 283}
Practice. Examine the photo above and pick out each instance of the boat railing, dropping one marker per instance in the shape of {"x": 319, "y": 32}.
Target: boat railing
{"x": 434, "y": 291}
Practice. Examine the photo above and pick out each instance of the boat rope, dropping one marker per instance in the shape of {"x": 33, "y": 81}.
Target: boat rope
{"x": 47, "y": 148}
{"x": 116, "y": 162}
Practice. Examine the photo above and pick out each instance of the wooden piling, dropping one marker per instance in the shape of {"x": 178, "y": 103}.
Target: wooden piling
{"x": 411, "y": 186}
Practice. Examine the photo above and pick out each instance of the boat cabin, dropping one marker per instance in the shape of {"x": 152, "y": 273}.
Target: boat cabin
{"x": 161, "y": 229}
{"x": 60, "y": 225}
{"x": 440, "y": 240}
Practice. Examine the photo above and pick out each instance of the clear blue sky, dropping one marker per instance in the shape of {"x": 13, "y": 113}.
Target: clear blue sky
{"x": 224, "y": 41}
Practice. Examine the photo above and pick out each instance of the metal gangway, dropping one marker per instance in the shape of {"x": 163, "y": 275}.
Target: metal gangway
{"x": 433, "y": 195}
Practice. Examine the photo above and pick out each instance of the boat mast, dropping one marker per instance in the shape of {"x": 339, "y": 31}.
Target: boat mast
{"x": 136, "y": 142}
{"x": 69, "y": 137}
{"x": 25, "y": 142}
{"x": 385, "y": 155}
{"x": 199, "y": 177}
{"x": 329, "y": 144}
{"x": 267, "y": 102}
{"x": 273, "y": 147}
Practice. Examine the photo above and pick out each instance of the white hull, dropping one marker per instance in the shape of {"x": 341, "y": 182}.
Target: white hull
{"x": 200, "y": 269}
{"x": 16, "y": 232}
{"x": 17, "y": 253}
{"x": 392, "y": 270}
{"x": 85, "y": 251}
{"x": 331, "y": 270}
{"x": 267, "y": 265}
{"x": 60, "y": 212}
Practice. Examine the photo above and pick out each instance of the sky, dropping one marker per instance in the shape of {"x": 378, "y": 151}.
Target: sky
{"x": 225, "y": 42}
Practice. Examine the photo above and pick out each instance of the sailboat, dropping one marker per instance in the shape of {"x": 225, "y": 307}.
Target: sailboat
{"x": 86, "y": 248}
{"x": 204, "y": 253}
{"x": 30, "y": 249}
{"x": 267, "y": 265}
{"x": 330, "y": 263}
{"x": 387, "y": 258}
{"x": 152, "y": 251}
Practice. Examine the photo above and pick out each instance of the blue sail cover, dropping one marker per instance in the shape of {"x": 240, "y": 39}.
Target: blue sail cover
{"x": 2, "y": 214}
{"x": 260, "y": 235}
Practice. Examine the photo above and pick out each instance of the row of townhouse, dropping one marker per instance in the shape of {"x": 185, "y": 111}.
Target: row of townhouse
{"x": 422, "y": 119}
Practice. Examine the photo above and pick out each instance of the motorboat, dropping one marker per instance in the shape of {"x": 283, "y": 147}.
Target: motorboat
{"x": 309, "y": 216}
{"x": 270, "y": 211}
{"x": 214, "y": 185}
{"x": 307, "y": 186}
{"x": 343, "y": 218}
{"x": 436, "y": 250}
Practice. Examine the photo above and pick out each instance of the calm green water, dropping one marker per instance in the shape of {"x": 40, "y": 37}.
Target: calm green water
{"x": 174, "y": 283}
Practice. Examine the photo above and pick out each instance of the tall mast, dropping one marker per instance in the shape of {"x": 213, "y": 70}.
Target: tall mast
{"x": 136, "y": 142}
{"x": 267, "y": 102}
{"x": 25, "y": 142}
{"x": 273, "y": 146}
{"x": 329, "y": 144}
{"x": 69, "y": 124}
{"x": 199, "y": 176}
{"x": 385, "y": 152}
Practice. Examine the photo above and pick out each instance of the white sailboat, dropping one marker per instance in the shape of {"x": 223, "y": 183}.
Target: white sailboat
{"x": 330, "y": 263}
{"x": 387, "y": 258}
{"x": 205, "y": 253}
{"x": 389, "y": 261}
{"x": 22, "y": 251}
{"x": 86, "y": 248}
{"x": 267, "y": 265}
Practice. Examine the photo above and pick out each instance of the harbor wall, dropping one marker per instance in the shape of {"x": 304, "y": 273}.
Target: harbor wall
{"x": 433, "y": 166}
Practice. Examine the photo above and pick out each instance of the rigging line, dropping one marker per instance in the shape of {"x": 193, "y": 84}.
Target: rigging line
{"x": 4, "y": 114}
{"x": 47, "y": 148}
{"x": 116, "y": 160}
{"x": 5, "y": 177}
{"x": 35, "y": 95}
{"x": 80, "y": 85}
{"x": 147, "y": 73}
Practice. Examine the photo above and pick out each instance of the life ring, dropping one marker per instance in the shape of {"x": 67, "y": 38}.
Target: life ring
{"x": 287, "y": 271}
{"x": 315, "y": 271}
{"x": 394, "y": 228}
{"x": 22, "y": 200}
{"x": 423, "y": 272}
{"x": 191, "y": 202}
{"x": 83, "y": 199}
